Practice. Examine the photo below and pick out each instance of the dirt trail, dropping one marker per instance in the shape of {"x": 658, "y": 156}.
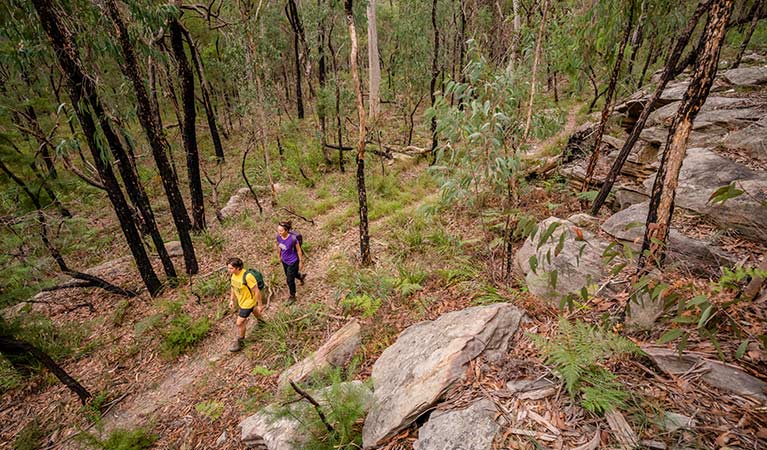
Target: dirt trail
{"x": 537, "y": 148}
{"x": 213, "y": 359}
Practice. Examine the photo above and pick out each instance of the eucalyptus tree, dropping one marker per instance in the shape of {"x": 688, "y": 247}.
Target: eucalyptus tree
{"x": 189, "y": 133}
{"x": 88, "y": 106}
{"x": 365, "y": 256}
{"x": 661, "y": 206}
{"x": 155, "y": 136}
{"x": 669, "y": 71}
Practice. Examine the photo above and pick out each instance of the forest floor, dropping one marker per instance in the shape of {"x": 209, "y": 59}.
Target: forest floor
{"x": 450, "y": 259}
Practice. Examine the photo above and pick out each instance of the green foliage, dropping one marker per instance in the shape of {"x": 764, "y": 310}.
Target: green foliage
{"x": 30, "y": 437}
{"x": 59, "y": 342}
{"x": 92, "y": 410}
{"x": 262, "y": 371}
{"x": 362, "y": 303}
{"x": 725, "y": 193}
{"x": 577, "y": 354}
{"x": 287, "y": 332}
{"x": 212, "y": 287}
{"x": 344, "y": 408}
{"x": 489, "y": 295}
{"x": 210, "y": 409}
{"x": 410, "y": 280}
{"x": 118, "y": 313}
{"x": 121, "y": 439}
{"x": 184, "y": 333}
{"x": 9, "y": 377}
{"x": 212, "y": 241}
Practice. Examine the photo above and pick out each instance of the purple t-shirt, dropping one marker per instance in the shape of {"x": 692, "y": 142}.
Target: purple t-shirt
{"x": 288, "y": 249}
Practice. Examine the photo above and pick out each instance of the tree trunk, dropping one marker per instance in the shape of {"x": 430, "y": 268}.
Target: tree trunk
{"x": 754, "y": 13}
{"x": 262, "y": 139}
{"x": 608, "y": 101}
{"x": 650, "y": 55}
{"x": 156, "y": 139}
{"x": 10, "y": 346}
{"x": 664, "y": 189}
{"x": 189, "y": 132}
{"x": 536, "y": 60}
{"x": 361, "y": 192}
{"x": 433, "y": 82}
{"x": 210, "y": 113}
{"x": 322, "y": 75}
{"x": 292, "y": 14}
{"x": 637, "y": 37}
{"x": 666, "y": 76}
{"x": 374, "y": 66}
{"x": 337, "y": 84}
{"x": 78, "y": 85}
{"x": 514, "y": 39}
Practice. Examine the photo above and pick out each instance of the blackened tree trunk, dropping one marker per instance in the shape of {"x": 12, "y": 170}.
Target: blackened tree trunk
{"x": 156, "y": 139}
{"x": 337, "y": 84}
{"x": 83, "y": 93}
{"x": 189, "y": 132}
{"x": 13, "y": 347}
{"x": 434, "y": 75}
{"x": 755, "y": 15}
{"x": 210, "y": 113}
{"x": 361, "y": 191}
{"x": 322, "y": 76}
{"x": 666, "y": 76}
{"x": 664, "y": 189}
{"x": 608, "y": 101}
{"x": 292, "y": 13}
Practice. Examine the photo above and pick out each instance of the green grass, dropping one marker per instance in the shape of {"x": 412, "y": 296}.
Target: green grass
{"x": 121, "y": 439}
{"x": 183, "y": 334}
{"x": 30, "y": 437}
{"x": 287, "y": 334}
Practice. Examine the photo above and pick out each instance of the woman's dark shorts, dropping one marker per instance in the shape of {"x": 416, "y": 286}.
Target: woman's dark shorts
{"x": 244, "y": 313}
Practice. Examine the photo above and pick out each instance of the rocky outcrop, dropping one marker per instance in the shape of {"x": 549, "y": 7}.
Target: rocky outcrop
{"x": 336, "y": 352}
{"x": 471, "y": 428}
{"x": 726, "y": 377}
{"x": 236, "y": 203}
{"x": 752, "y": 140}
{"x": 747, "y": 76}
{"x": 628, "y": 226}
{"x": 560, "y": 247}
{"x": 703, "y": 172}
{"x": 413, "y": 374}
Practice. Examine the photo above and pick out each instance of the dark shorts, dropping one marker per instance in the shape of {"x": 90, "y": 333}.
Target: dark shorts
{"x": 244, "y": 313}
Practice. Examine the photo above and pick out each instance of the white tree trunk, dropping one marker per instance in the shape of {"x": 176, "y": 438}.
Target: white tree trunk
{"x": 374, "y": 67}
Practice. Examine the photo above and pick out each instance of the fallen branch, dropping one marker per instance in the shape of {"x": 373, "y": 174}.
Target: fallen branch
{"x": 72, "y": 285}
{"x": 295, "y": 214}
{"x": 247, "y": 182}
{"x": 314, "y": 403}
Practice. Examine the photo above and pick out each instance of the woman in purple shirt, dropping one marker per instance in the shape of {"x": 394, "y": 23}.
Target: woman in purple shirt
{"x": 291, "y": 256}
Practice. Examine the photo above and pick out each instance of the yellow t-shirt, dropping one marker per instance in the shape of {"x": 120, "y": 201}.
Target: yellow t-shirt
{"x": 244, "y": 296}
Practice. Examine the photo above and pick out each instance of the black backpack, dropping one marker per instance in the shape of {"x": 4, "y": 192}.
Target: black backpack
{"x": 257, "y": 275}
{"x": 298, "y": 237}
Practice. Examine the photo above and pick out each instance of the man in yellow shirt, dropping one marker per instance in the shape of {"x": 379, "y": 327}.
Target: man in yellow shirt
{"x": 248, "y": 297}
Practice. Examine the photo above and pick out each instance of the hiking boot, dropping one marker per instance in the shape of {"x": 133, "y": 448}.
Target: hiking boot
{"x": 291, "y": 300}
{"x": 236, "y": 345}
{"x": 301, "y": 278}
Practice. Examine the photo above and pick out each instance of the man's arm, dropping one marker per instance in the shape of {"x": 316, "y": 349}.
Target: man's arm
{"x": 231, "y": 298}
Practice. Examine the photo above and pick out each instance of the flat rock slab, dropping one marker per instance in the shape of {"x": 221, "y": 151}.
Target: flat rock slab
{"x": 574, "y": 253}
{"x": 336, "y": 352}
{"x": 703, "y": 172}
{"x": 628, "y": 226}
{"x": 726, "y": 377}
{"x": 270, "y": 430}
{"x": 472, "y": 428}
{"x": 752, "y": 140}
{"x": 747, "y": 76}
{"x": 174, "y": 248}
{"x": 412, "y": 375}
